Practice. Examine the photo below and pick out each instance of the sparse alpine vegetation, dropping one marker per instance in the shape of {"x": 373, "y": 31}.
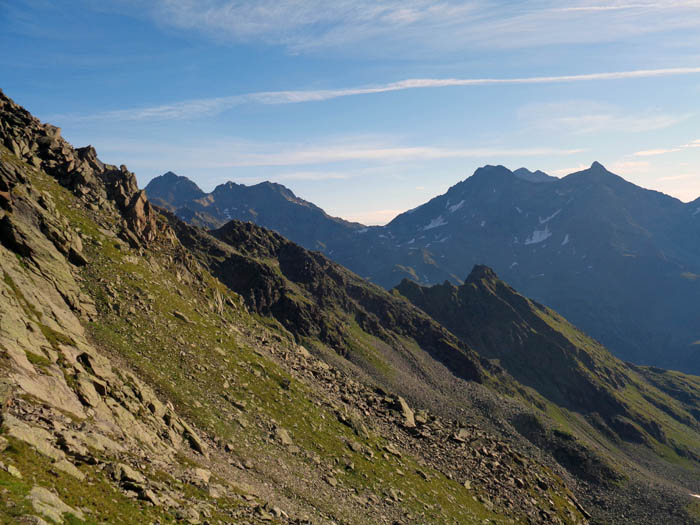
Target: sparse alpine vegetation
{"x": 152, "y": 371}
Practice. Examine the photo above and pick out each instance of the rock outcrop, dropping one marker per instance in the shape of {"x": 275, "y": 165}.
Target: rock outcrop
{"x": 42, "y": 146}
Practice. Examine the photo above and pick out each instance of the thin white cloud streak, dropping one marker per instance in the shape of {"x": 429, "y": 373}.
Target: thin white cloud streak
{"x": 664, "y": 151}
{"x": 212, "y": 106}
{"x": 585, "y": 117}
{"x": 654, "y": 152}
{"x": 340, "y": 153}
{"x": 354, "y": 153}
{"x": 418, "y": 26}
{"x": 683, "y": 176}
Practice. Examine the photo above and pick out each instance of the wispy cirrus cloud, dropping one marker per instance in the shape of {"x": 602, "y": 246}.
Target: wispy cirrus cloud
{"x": 189, "y": 109}
{"x": 663, "y": 151}
{"x": 416, "y": 26}
{"x": 342, "y": 153}
{"x": 585, "y": 117}
{"x": 335, "y": 158}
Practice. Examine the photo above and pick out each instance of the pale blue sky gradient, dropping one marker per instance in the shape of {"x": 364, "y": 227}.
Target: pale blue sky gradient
{"x": 366, "y": 108}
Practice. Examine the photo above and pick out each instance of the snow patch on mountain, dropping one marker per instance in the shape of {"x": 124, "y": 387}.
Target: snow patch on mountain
{"x": 455, "y": 207}
{"x": 566, "y": 240}
{"x": 696, "y": 212}
{"x": 435, "y": 223}
{"x": 539, "y": 236}
{"x": 546, "y": 220}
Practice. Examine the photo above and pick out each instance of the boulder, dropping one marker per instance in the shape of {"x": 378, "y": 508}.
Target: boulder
{"x": 66, "y": 466}
{"x": 408, "y": 417}
{"x": 201, "y": 475}
{"x": 283, "y": 436}
{"x": 50, "y": 506}
{"x": 36, "y": 437}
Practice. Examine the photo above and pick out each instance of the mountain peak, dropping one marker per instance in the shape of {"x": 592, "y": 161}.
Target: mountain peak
{"x": 490, "y": 169}
{"x": 536, "y": 176}
{"x": 598, "y": 166}
{"x": 171, "y": 190}
{"x": 481, "y": 272}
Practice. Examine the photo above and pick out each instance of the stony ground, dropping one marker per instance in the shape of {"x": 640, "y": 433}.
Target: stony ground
{"x": 136, "y": 388}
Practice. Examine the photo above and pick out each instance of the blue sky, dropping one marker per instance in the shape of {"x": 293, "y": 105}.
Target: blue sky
{"x": 366, "y": 108}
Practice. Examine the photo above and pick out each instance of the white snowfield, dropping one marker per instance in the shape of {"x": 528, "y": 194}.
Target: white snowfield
{"x": 455, "y": 207}
{"x": 539, "y": 236}
{"x": 546, "y": 220}
{"x": 435, "y": 223}
{"x": 566, "y": 240}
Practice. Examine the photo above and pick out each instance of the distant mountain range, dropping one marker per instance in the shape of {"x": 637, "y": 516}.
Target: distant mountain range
{"x": 154, "y": 371}
{"x": 619, "y": 261}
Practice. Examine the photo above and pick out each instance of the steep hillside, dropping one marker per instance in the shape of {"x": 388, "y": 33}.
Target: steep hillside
{"x": 136, "y": 387}
{"x": 572, "y": 371}
{"x": 581, "y": 407}
{"x": 596, "y": 395}
{"x": 618, "y": 260}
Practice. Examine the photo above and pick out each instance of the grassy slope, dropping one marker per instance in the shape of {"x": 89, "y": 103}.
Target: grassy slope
{"x": 189, "y": 362}
{"x": 651, "y": 431}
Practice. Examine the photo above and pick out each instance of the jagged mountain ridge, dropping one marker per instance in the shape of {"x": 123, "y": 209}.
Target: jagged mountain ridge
{"x": 268, "y": 204}
{"x": 542, "y": 350}
{"x": 591, "y": 245}
{"x": 142, "y": 278}
{"x": 595, "y": 394}
{"x": 135, "y": 386}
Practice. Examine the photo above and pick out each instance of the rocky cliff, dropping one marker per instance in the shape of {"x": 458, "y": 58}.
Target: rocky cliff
{"x": 136, "y": 387}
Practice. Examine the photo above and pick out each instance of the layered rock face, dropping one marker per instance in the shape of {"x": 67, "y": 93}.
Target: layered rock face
{"x": 42, "y": 146}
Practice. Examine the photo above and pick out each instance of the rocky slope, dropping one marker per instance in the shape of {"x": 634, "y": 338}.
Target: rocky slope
{"x": 588, "y": 412}
{"x": 619, "y": 261}
{"x": 152, "y": 371}
{"x": 136, "y": 387}
{"x": 572, "y": 371}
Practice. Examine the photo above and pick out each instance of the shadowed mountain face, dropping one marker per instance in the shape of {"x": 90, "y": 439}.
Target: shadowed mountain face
{"x": 313, "y": 297}
{"x": 152, "y": 371}
{"x": 545, "y": 352}
{"x": 534, "y": 344}
{"x": 620, "y": 261}
{"x": 267, "y": 204}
